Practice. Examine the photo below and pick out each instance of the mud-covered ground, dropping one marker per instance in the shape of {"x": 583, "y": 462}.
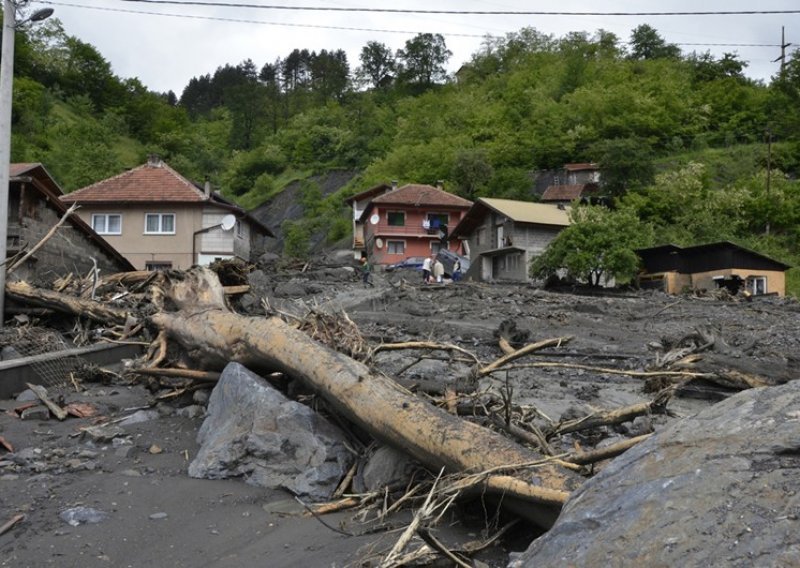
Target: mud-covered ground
{"x": 155, "y": 515}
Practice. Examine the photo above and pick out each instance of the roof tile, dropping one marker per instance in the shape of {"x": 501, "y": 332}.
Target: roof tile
{"x": 419, "y": 194}
{"x": 149, "y": 182}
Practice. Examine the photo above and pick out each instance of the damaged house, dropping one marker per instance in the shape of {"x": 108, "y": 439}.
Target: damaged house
{"x": 711, "y": 266}
{"x": 574, "y": 182}
{"x": 34, "y": 208}
{"x": 505, "y": 235}
{"x": 158, "y": 219}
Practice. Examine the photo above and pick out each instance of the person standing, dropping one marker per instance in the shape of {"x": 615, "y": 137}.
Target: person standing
{"x": 426, "y": 269}
{"x": 366, "y": 269}
{"x": 438, "y": 271}
{"x": 457, "y": 270}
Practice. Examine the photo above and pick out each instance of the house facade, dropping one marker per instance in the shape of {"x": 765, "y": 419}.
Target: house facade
{"x": 359, "y": 203}
{"x": 574, "y": 181}
{"x": 34, "y": 208}
{"x": 504, "y": 235}
{"x": 709, "y": 267}
{"x": 412, "y": 220}
{"x": 158, "y": 219}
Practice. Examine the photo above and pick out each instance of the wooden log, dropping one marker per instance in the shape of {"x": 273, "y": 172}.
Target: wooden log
{"x": 608, "y": 452}
{"x": 531, "y": 348}
{"x": 608, "y": 418}
{"x": 374, "y": 402}
{"x": 207, "y": 376}
{"x": 25, "y": 293}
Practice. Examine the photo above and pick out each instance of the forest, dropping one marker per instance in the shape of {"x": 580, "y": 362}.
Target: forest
{"x": 690, "y": 148}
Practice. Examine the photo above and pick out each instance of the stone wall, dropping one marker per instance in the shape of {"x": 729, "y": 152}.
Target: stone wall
{"x": 69, "y": 250}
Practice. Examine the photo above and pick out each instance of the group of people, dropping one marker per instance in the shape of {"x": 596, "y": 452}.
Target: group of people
{"x": 433, "y": 270}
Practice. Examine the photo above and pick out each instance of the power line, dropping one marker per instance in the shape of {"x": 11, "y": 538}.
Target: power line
{"x": 245, "y": 21}
{"x": 341, "y": 28}
{"x": 463, "y": 12}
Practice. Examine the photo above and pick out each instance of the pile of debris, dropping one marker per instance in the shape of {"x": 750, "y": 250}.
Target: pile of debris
{"x": 365, "y": 440}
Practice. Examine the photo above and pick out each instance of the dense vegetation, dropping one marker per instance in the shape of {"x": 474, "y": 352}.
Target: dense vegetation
{"x": 681, "y": 138}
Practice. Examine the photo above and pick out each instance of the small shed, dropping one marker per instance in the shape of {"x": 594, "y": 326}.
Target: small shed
{"x": 711, "y": 266}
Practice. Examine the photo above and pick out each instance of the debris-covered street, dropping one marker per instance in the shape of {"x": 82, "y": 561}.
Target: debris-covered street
{"x": 148, "y": 468}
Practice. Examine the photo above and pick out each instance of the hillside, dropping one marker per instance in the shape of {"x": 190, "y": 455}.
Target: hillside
{"x": 683, "y": 140}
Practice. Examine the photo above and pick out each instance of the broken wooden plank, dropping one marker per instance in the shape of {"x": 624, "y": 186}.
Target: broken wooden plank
{"x": 41, "y": 394}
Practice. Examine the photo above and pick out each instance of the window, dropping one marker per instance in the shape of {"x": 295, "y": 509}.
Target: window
{"x": 157, "y": 265}
{"x": 396, "y": 247}
{"x": 396, "y": 218}
{"x": 107, "y": 224}
{"x": 240, "y": 229}
{"x": 480, "y": 236}
{"x": 435, "y": 247}
{"x": 159, "y": 224}
{"x": 757, "y": 285}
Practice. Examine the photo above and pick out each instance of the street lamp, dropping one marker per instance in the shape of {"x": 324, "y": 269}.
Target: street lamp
{"x": 6, "y": 91}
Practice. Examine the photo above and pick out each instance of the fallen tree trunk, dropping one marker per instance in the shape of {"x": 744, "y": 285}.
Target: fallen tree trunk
{"x": 376, "y": 403}
{"x": 25, "y": 293}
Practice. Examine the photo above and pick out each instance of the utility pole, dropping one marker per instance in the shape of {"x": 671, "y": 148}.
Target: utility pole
{"x": 784, "y": 45}
{"x": 6, "y": 91}
{"x": 769, "y": 173}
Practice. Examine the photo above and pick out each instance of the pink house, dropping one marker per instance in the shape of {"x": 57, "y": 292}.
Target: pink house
{"x": 413, "y": 220}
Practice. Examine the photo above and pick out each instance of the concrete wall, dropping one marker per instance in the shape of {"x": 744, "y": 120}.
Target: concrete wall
{"x": 69, "y": 250}
{"x": 776, "y": 280}
{"x": 511, "y": 265}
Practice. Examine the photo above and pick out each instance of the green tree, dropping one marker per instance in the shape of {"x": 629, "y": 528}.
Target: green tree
{"x": 423, "y": 60}
{"x": 471, "y": 171}
{"x": 599, "y": 243}
{"x": 646, "y": 43}
{"x": 625, "y": 163}
{"x": 377, "y": 65}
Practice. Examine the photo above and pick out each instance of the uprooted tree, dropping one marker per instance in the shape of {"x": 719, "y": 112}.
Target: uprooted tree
{"x": 191, "y": 311}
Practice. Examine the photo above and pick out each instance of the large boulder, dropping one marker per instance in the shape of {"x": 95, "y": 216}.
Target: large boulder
{"x": 720, "y": 488}
{"x": 255, "y": 432}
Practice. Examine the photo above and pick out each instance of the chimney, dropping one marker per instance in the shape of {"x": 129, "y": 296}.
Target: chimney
{"x": 207, "y": 188}
{"x": 153, "y": 161}
{"x": 394, "y": 184}
{"x": 440, "y": 184}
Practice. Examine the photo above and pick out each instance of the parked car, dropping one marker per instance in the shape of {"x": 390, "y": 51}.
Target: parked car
{"x": 448, "y": 259}
{"x": 410, "y": 263}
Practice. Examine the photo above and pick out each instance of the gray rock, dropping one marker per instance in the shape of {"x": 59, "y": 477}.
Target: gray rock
{"x": 385, "y": 467}
{"x": 721, "y": 488}
{"x": 255, "y": 432}
{"x": 201, "y": 397}
{"x": 158, "y": 516}
{"x": 125, "y": 452}
{"x": 8, "y": 352}
{"x": 35, "y": 413}
{"x": 192, "y": 411}
{"x": 139, "y": 417}
{"x": 103, "y": 432}
{"x": 27, "y": 396}
{"x": 290, "y": 290}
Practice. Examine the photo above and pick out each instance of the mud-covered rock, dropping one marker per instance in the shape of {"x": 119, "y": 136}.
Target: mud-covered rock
{"x": 717, "y": 489}
{"x": 255, "y": 432}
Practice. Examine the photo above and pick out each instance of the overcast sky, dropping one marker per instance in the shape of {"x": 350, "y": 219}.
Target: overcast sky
{"x": 164, "y": 51}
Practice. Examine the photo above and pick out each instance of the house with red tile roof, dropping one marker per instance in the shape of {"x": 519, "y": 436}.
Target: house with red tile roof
{"x": 391, "y": 223}
{"x": 159, "y": 219}
{"x": 34, "y": 209}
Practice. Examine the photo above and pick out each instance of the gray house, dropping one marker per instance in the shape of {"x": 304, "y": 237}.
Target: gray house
{"x": 504, "y": 235}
